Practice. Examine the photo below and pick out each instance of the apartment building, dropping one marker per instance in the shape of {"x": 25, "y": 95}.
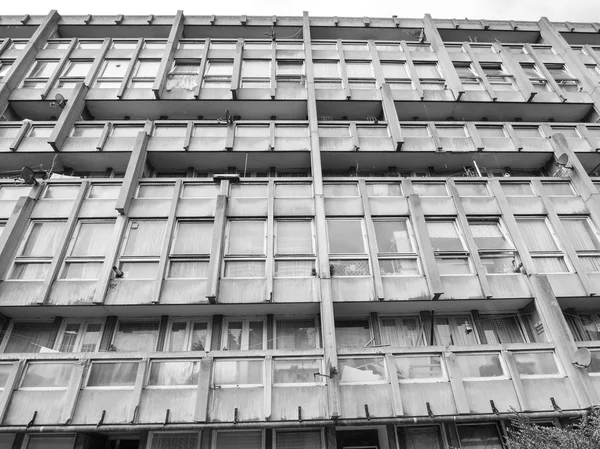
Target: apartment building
{"x": 224, "y": 232}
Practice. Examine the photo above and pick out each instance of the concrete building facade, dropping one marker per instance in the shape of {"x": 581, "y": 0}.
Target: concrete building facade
{"x": 226, "y": 232}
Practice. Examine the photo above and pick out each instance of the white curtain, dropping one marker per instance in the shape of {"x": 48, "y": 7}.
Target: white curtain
{"x": 92, "y": 239}
{"x": 536, "y": 234}
{"x": 193, "y": 237}
{"x": 246, "y": 237}
{"x": 401, "y": 331}
{"x": 582, "y": 236}
{"x": 179, "y": 81}
{"x": 174, "y": 373}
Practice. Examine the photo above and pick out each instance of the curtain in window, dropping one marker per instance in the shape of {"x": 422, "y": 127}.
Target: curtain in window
{"x": 175, "y": 440}
{"x": 299, "y": 440}
{"x": 43, "y": 239}
{"x": 501, "y": 329}
{"x": 536, "y": 235}
{"x": 550, "y": 264}
{"x": 488, "y": 236}
{"x": 246, "y": 439}
{"x": 401, "y": 332}
{"x": 296, "y": 334}
{"x": 238, "y": 372}
{"x": 179, "y": 81}
{"x": 136, "y": 336}
{"x": 591, "y": 264}
{"x": 591, "y": 326}
{"x": 174, "y": 373}
{"x": 145, "y": 238}
{"x": 581, "y": 234}
{"x": 29, "y": 337}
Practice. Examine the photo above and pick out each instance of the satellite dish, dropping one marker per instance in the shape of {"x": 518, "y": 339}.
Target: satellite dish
{"x": 562, "y": 160}
{"x": 59, "y": 102}
{"x": 582, "y": 358}
{"x": 28, "y": 176}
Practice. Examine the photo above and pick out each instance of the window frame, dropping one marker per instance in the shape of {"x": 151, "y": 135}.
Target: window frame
{"x": 503, "y": 366}
{"x": 170, "y": 387}
{"x": 79, "y": 339}
{"x": 154, "y": 259}
{"x": 45, "y": 362}
{"x": 557, "y": 253}
{"x": 444, "y": 378}
{"x": 189, "y": 329}
{"x": 559, "y": 374}
{"x": 109, "y": 387}
{"x": 487, "y": 253}
{"x": 133, "y": 320}
{"x": 318, "y": 380}
{"x": 245, "y": 333}
{"x": 453, "y": 254}
{"x": 411, "y": 255}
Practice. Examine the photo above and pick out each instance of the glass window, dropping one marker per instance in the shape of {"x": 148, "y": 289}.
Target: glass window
{"x": 80, "y": 337}
{"x": 335, "y": 190}
{"x": 246, "y": 237}
{"x": 421, "y": 437}
{"x": 401, "y": 331}
{"x": 392, "y": 236}
{"x": 174, "y": 373}
{"x": 238, "y": 372}
{"x": 145, "y": 238}
{"x": 558, "y": 189}
{"x": 536, "y": 363}
{"x": 43, "y": 69}
{"x": 362, "y": 370}
{"x": 51, "y": 442}
{"x": 345, "y": 236}
{"x": 352, "y": 333}
{"x": 61, "y": 192}
{"x": 248, "y": 191}
{"x": 87, "y": 131}
{"x": 517, "y": 189}
{"x": 296, "y": 371}
{"x": 29, "y": 337}
{"x": 582, "y": 235}
{"x": 114, "y": 68}
{"x": 294, "y": 237}
{"x": 112, "y": 374}
{"x": 536, "y": 234}
{"x": 193, "y": 237}
{"x": 294, "y": 268}
{"x": 245, "y": 334}
{"x": 444, "y": 236}
{"x": 91, "y": 239}
{"x": 43, "y": 239}
{"x": 188, "y": 269}
{"x": 491, "y": 132}
{"x": 489, "y": 236}
{"x": 244, "y": 269}
{"x": 77, "y": 69}
{"x": 187, "y": 336}
{"x": 292, "y": 190}
{"x": 430, "y": 188}
{"x": 479, "y": 436}
{"x": 5, "y": 370}
{"x": 13, "y": 193}
{"x": 500, "y": 329}
{"x": 472, "y": 189}
{"x": 301, "y": 439}
{"x": 104, "y": 191}
{"x": 47, "y": 375}
{"x": 453, "y": 330}
{"x": 451, "y": 131}
{"x": 200, "y": 191}
{"x": 139, "y": 336}
{"x": 415, "y": 131}
{"x": 155, "y": 191}
{"x": 247, "y": 439}
{"x": 474, "y": 366}
{"x": 175, "y": 440}
{"x": 295, "y": 334}
{"x": 384, "y": 189}
{"x": 426, "y": 367}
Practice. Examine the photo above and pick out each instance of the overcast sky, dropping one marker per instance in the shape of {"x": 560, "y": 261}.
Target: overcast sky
{"x": 556, "y": 10}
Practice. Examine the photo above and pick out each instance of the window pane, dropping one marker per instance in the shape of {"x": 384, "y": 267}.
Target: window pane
{"x": 472, "y": 189}
{"x": 77, "y": 69}
{"x": 581, "y": 233}
{"x": 296, "y": 371}
{"x": 29, "y": 271}
{"x": 246, "y": 439}
{"x": 246, "y": 237}
{"x": 488, "y": 236}
{"x": 84, "y": 270}
{"x": 517, "y": 189}
{"x": 104, "y": 192}
{"x": 43, "y": 239}
{"x": 499, "y": 264}
{"x": 92, "y": 239}
{"x": 345, "y": 237}
{"x": 352, "y": 333}
{"x": 155, "y": 191}
{"x": 419, "y": 367}
{"x": 530, "y": 363}
{"x": 121, "y": 374}
{"x": 174, "y": 373}
{"x": 536, "y": 234}
{"x": 139, "y": 270}
{"x": 43, "y": 69}
{"x": 500, "y": 329}
{"x": 307, "y": 439}
{"x": 13, "y": 193}
{"x": 330, "y": 190}
{"x": 350, "y": 267}
{"x": 491, "y": 131}
{"x": 444, "y": 236}
{"x": 136, "y": 336}
{"x": 479, "y": 365}
{"x": 238, "y": 372}
{"x": 294, "y": 268}
{"x": 5, "y": 369}
{"x": 200, "y": 191}
{"x": 384, "y": 189}
{"x": 87, "y": 131}
{"x": 401, "y": 331}
{"x": 245, "y": 269}
{"x": 67, "y": 192}
{"x": 430, "y": 189}
{"x": 294, "y": 237}
{"x": 453, "y": 330}
{"x": 477, "y": 437}
{"x": 398, "y": 267}
{"x": 145, "y": 238}
{"x": 50, "y": 442}
{"x": 47, "y": 375}
{"x": 188, "y": 269}
{"x": 550, "y": 264}
{"x": 29, "y": 337}
{"x": 193, "y": 237}
{"x": 115, "y": 68}
{"x": 249, "y": 191}
{"x": 558, "y": 189}
{"x": 421, "y": 437}
{"x": 296, "y": 334}
{"x": 392, "y": 236}
{"x": 363, "y": 370}
{"x": 293, "y": 190}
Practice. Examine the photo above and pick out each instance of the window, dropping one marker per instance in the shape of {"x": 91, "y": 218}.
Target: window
{"x": 352, "y": 333}
{"x": 87, "y": 131}
{"x": 200, "y": 191}
{"x": 542, "y": 245}
{"x": 173, "y": 373}
{"x": 248, "y": 191}
{"x": 141, "y": 249}
{"x": 383, "y": 189}
{"x": 451, "y": 131}
{"x": 8, "y": 192}
{"x": 89, "y": 45}
{"x": 592, "y": 70}
{"x": 501, "y": 329}
{"x": 423, "y": 368}
{"x": 217, "y": 74}
{"x": 536, "y": 364}
{"x": 40, "y": 73}
{"x": 584, "y": 326}
{"x": 558, "y": 189}
{"x": 564, "y": 78}
{"x": 498, "y": 77}
{"x": 296, "y": 334}
{"x": 417, "y": 437}
{"x": 450, "y": 252}
{"x": 135, "y": 336}
{"x": 539, "y": 81}
{"x": 144, "y": 73}
{"x": 87, "y": 250}
{"x": 395, "y": 247}
{"x": 430, "y": 188}
{"x": 248, "y": 439}
{"x": 479, "y": 436}
{"x": 187, "y": 335}
{"x": 453, "y": 330}
{"x": 293, "y": 239}
{"x": 584, "y": 238}
{"x": 112, "y": 374}
{"x": 430, "y": 76}
{"x": 347, "y": 238}
{"x": 256, "y": 73}
{"x": 50, "y": 441}
{"x": 155, "y": 191}
{"x": 292, "y": 137}
{"x": 74, "y": 72}
{"x": 362, "y": 370}
{"x": 335, "y": 138}
{"x": 401, "y": 331}
{"x": 112, "y": 73}
{"x": 174, "y": 440}
{"x": 245, "y": 249}
{"x": 104, "y": 191}
{"x": 61, "y": 192}
{"x": 46, "y": 375}
{"x": 340, "y": 190}
{"x": 9, "y": 132}
{"x": 4, "y": 68}
{"x": 472, "y": 189}
{"x": 237, "y": 373}
{"x": 183, "y": 75}
{"x": 29, "y": 337}
{"x": 37, "y": 250}
{"x": 396, "y": 75}
{"x": 375, "y": 138}
{"x": 295, "y": 372}
{"x": 469, "y": 78}
{"x": 495, "y": 249}
{"x": 191, "y": 249}
{"x": 327, "y": 74}
{"x": 188, "y": 44}
{"x": 479, "y": 366}
{"x": 244, "y": 334}
{"x": 79, "y": 336}
{"x": 290, "y": 74}
{"x": 517, "y": 189}
{"x": 360, "y": 74}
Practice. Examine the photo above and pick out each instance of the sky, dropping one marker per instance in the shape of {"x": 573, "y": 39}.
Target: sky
{"x": 555, "y": 10}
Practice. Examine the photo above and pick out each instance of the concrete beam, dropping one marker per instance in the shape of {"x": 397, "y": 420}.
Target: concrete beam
{"x": 69, "y": 115}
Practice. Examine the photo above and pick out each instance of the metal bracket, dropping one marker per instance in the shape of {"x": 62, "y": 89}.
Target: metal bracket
{"x": 555, "y": 405}
{"x": 235, "y": 415}
{"x": 167, "y": 416}
{"x": 494, "y": 409}
{"x": 367, "y": 414}
{"x": 299, "y": 413}
{"x": 30, "y": 423}
{"x": 101, "y": 418}
{"x": 429, "y": 412}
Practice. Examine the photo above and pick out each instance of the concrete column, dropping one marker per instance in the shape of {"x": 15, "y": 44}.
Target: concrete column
{"x": 168, "y": 55}
{"x": 135, "y": 168}
{"x": 69, "y": 115}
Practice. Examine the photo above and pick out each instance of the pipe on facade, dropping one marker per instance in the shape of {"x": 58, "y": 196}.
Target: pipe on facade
{"x": 292, "y": 424}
